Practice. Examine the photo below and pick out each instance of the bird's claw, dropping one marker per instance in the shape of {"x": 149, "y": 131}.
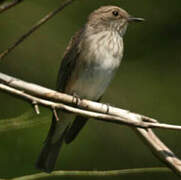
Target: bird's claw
{"x": 76, "y": 99}
{"x": 107, "y": 108}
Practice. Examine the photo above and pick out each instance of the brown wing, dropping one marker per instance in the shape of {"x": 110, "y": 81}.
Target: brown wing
{"x": 51, "y": 149}
{"x": 75, "y": 128}
{"x": 69, "y": 60}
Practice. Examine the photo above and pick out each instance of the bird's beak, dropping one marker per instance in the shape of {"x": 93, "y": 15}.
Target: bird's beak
{"x": 135, "y": 19}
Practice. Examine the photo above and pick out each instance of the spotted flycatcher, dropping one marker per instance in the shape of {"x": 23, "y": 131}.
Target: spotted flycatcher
{"x": 87, "y": 68}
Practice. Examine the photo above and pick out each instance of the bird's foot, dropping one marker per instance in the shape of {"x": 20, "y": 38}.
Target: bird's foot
{"x": 107, "y": 107}
{"x": 76, "y": 99}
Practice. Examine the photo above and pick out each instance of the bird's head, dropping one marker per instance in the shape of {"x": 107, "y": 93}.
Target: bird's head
{"x": 111, "y": 18}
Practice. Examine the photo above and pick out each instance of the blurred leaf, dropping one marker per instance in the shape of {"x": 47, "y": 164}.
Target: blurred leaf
{"x": 26, "y": 120}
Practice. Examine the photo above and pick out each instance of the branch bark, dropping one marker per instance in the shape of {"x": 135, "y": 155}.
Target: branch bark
{"x": 33, "y": 92}
{"x": 39, "y": 95}
{"x": 9, "y": 5}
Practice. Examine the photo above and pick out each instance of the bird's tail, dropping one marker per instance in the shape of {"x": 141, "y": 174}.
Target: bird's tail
{"x": 48, "y": 156}
{"x": 53, "y": 143}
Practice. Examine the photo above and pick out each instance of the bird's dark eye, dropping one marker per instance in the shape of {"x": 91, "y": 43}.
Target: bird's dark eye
{"x": 115, "y": 13}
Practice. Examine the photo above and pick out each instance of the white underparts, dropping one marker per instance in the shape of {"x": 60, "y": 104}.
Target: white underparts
{"x": 99, "y": 59}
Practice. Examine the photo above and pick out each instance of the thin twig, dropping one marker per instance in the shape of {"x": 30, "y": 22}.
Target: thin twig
{"x": 55, "y": 114}
{"x": 34, "y": 28}
{"x": 36, "y": 107}
{"x": 9, "y": 5}
{"x": 109, "y": 173}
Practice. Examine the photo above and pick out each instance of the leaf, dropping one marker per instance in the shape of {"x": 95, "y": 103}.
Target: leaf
{"x": 26, "y": 120}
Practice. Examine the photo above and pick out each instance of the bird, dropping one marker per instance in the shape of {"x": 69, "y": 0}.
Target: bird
{"x": 89, "y": 63}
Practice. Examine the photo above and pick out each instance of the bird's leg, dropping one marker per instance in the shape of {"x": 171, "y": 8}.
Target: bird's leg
{"x": 108, "y": 107}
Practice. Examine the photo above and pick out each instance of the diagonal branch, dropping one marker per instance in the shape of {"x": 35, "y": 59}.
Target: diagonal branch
{"x": 30, "y": 92}
{"x": 141, "y": 124}
{"x": 9, "y": 5}
{"x": 100, "y": 116}
{"x": 35, "y": 27}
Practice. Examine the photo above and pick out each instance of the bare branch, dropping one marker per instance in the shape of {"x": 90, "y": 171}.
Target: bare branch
{"x": 35, "y": 27}
{"x": 30, "y": 92}
{"x": 51, "y": 98}
{"x": 65, "y": 98}
{"x": 50, "y": 104}
{"x": 109, "y": 173}
{"x": 9, "y": 5}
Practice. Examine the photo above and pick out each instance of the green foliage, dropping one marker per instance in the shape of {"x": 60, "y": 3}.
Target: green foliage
{"x": 26, "y": 120}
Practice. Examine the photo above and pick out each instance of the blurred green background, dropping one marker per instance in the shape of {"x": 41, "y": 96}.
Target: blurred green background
{"x": 148, "y": 82}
